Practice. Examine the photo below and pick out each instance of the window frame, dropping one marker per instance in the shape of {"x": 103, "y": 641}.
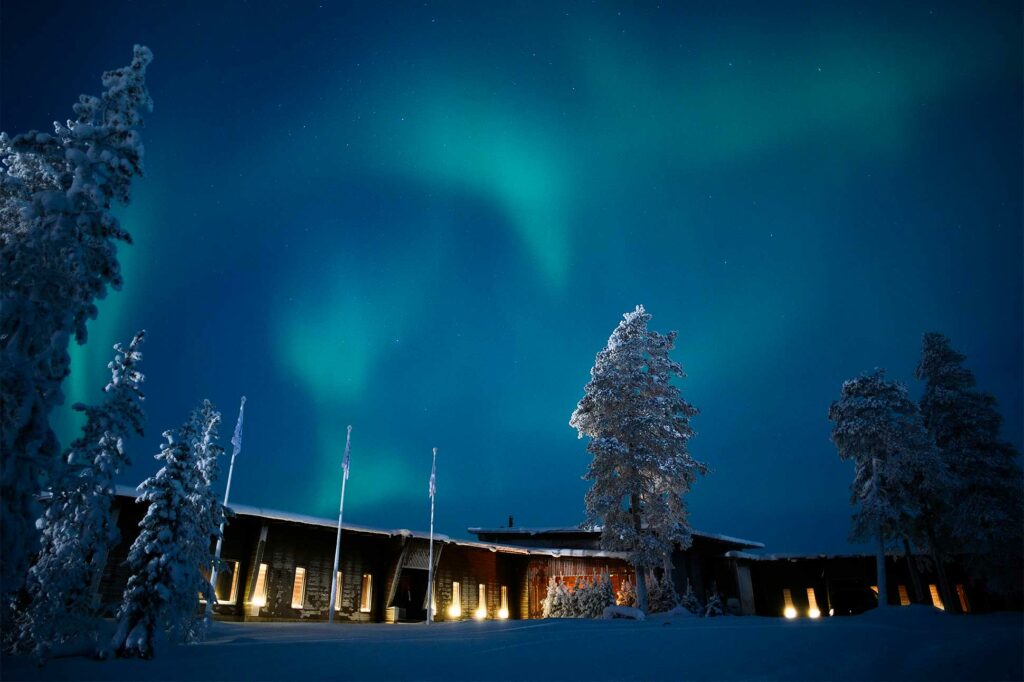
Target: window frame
{"x": 300, "y": 572}
{"x": 366, "y": 594}
{"x": 259, "y": 588}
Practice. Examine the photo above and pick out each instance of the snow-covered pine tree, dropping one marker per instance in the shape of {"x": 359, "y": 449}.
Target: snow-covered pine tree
{"x": 663, "y": 596}
{"x": 166, "y": 560}
{"x": 548, "y": 604}
{"x": 714, "y": 605}
{"x": 639, "y": 429}
{"x": 58, "y": 249}
{"x": 654, "y": 597}
{"x": 880, "y": 429}
{"x": 606, "y": 595}
{"x": 207, "y": 504}
{"x": 690, "y": 601}
{"x": 77, "y": 529}
{"x": 626, "y": 595}
{"x": 560, "y": 607}
{"x": 984, "y": 511}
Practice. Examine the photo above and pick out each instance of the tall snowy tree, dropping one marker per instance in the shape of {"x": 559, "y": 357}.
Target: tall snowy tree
{"x": 174, "y": 544}
{"x": 639, "y": 430}
{"x": 211, "y": 512}
{"x": 879, "y": 429}
{"x": 985, "y": 514}
{"x": 58, "y": 255}
{"x": 77, "y": 528}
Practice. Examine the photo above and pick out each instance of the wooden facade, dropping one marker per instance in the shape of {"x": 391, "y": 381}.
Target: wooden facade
{"x": 278, "y": 568}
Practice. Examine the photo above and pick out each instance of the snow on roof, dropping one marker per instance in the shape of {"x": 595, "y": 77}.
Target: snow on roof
{"x": 304, "y": 519}
{"x": 555, "y": 530}
{"x": 799, "y": 557}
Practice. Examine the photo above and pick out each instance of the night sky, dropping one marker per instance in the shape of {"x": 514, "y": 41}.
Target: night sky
{"x": 424, "y": 219}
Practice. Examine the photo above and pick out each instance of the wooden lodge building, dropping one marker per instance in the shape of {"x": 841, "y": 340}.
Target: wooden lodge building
{"x": 278, "y": 567}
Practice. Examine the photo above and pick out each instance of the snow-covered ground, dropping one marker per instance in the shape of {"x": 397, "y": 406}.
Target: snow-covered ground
{"x": 916, "y": 643}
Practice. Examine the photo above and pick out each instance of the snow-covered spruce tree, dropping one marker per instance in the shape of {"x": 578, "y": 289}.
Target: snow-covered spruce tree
{"x": 207, "y": 503}
{"x": 689, "y": 600}
{"x": 167, "y": 559}
{"x": 880, "y": 430}
{"x": 663, "y": 596}
{"x": 58, "y": 255}
{"x": 714, "y": 605}
{"x": 606, "y": 595}
{"x": 77, "y": 529}
{"x": 626, "y": 595}
{"x": 984, "y": 512}
{"x": 549, "y": 600}
{"x": 639, "y": 428}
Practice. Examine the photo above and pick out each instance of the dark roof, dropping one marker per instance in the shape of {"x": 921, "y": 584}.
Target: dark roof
{"x": 575, "y": 530}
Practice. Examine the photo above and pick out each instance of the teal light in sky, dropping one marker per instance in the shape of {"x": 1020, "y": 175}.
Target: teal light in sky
{"x": 425, "y": 221}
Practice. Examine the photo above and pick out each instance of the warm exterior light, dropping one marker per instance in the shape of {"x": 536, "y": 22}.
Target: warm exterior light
{"x": 481, "y": 611}
{"x": 787, "y": 598}
{"x": 455, "y": 611}
{"x": 259, "y": 601}
{"x": 503, "y": 609}
{"x": 812, "y": 602}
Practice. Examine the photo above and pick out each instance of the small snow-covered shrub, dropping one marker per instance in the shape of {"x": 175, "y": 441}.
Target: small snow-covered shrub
{"x": 714, "y": 607}
{"x": 626, "y": 595}
{"x": 690, "y": 601}
{"x": 662, "y": 596}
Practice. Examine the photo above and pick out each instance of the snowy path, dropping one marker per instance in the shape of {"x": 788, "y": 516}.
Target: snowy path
{"x": 913, "y": 643}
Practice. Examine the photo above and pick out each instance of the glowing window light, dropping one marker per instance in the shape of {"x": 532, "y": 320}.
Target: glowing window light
{"x": 812, "y": 601}
{"x": 455, "y": 608}
{"x": 790, "y": 611}
{"x": 299, "y": 588}
{"x": 503, "y": 611}
{"x": 874, "y": 588}
{"x": 259, "y": 593}
{"x": 962, "y": 593}
{"x": 936, "y": 599}
{"x": 904, "y": 597}
{"x": 481, "y": 610}
{"x": 366, "y": 600}
{"x": 337, "y": 592}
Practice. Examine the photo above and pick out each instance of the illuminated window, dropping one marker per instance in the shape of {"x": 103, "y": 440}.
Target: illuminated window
{"x": 299, "y": 588}
{"x": 904, "y": 597}
{"x": 259, "y": 593}
{"x": 481, "y": 602}
{"x": 789, "y": 611}
{"x": 936, "y": 599}
{"x": 455, "y": 608}
{"x": 962, "y": 593}
{"x": 227, "y": 583}
{"x": 337, "y": 591}
{"x": 812, "y": 602}
{"x": 503, "y": 611}
{"x": 366, "y": 599}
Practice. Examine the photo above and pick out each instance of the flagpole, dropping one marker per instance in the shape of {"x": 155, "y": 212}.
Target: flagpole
{"x": 341, "y": 514}
{"x": 430, "y": 552}
{"x": 236, "y": 447}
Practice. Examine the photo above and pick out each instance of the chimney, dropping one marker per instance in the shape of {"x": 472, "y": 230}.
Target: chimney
{"x": 510, "y": 521}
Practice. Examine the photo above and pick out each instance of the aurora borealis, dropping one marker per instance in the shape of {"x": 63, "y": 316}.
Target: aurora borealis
{"x": 425, "y": 220}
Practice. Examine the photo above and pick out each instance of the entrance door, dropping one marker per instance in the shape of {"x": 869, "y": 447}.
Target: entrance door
{"x": 411, "y": 594}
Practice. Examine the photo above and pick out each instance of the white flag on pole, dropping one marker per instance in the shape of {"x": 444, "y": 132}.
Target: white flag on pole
{"x": 344, "y": 461}
{"x": 236, "y": 440}
{"x": 433, "y": 476}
